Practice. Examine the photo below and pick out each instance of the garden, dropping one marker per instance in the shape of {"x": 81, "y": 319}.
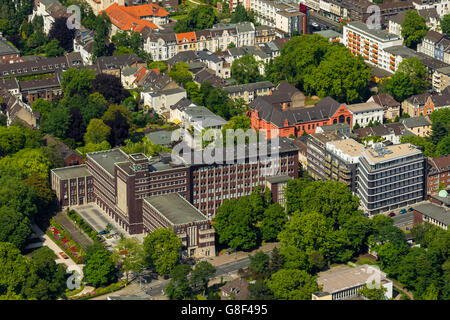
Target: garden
{"x": 63, "y": 240}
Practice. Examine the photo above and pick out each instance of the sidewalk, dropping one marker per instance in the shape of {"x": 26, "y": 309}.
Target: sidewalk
{"x": 53, "y": 246}
{"x": 226, "y": 258}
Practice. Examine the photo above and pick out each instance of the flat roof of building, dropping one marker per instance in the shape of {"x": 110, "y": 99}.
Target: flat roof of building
{"x": 106, "y": 159}
{"x": 387, "y": 153}
{"x": 279, "y": 179}
{"x": 381, "y": 35}
{"x": 348, "y": 146}
{"x": 346, "y": 279}
{"x": 176, "y": 209}
{"x": 71, "y": 172}
{"x": 364, "y": 107}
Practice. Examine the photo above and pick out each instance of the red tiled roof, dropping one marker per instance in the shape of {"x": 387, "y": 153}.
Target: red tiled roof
{"x": 190, "y": 36}
{"x": 146, "y": 10}
{"x": 126, "y": 19}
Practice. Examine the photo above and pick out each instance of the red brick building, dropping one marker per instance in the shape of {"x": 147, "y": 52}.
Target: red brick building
{"x": 438, "y": 173}
{"x": 8, "y": 54}
{"x": 284, "y": 113}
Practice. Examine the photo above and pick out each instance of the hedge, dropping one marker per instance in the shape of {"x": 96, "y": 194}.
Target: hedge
{"x": 101, "y": 291}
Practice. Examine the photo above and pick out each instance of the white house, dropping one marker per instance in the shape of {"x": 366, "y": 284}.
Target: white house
{"x": 364, "y": 113}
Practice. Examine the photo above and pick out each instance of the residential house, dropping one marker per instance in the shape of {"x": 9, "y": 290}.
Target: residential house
{"x": 8, "y": 53}
{"x": 391, "y": 107}
{"x": 160, "y": 101}
{"x": 391, "y": 132}
{"x": 49, "y": 10}
{"x": 432, "y": 213}
{"x": 236, "y": 289}
{"x": 248, "y": 92}
{"x": 438, "y": 174}
{"x": 83, "y": 43}
{"x": 366, "y": 113}
{"x": 420, "y": 126}
{"x": 69, "y": 156}
{"x": 264, "y": 34}
{"x": 115, "y": 64}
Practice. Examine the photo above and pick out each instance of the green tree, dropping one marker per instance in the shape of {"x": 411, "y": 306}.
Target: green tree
{"x": 53, "y": 49}
{"x": 97, "y": 132}
{"x": 259, "y": 291}
{"x": 162, "y": 250}
{"x": 260, "y": 263}
{"x": 199, "y": 18}
{"x": 14, "y": 269}
{"x": 373, "y": 293}
{"x": 292, "y": 285}
{"x": 443, "y": 147}
{"x": 445, "y": 24}
{"x": 273, "y": 222}
{"x": 201, "y": 275}
{"x": 245, "y": 70}
{"x": 178, "y": 287}
{"x": 77, "y": 81}
{"x": 99, "y": 269}
{"x": 423, "y": 144}
{"x": 26, "y": 162}
{"x": 180, "y": 73}
{"x": 414, "y": 29}
{"x": 129, "y": 255}
{"x": 235, "y": 224}
{"x": 57, "y": 122}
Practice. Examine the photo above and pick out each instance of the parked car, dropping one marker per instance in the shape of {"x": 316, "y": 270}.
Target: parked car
{"x": 411, "y": 209}
{"x": 103, "y": 232}
{"x": 402, "y": 211}
{"x": 392, "y": 214}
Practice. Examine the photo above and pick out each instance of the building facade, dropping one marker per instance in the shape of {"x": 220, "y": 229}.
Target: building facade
{"x": 390, "y": 177}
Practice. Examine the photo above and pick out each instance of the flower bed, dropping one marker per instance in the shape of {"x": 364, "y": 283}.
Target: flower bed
{"x": 63, "y": 240}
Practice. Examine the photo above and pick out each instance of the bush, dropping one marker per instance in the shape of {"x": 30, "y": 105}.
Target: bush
{"x": 70, "y": 243}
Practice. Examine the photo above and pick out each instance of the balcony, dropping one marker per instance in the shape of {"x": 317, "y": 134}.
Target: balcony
{"x": 375, "y": 51}
{"x": 374, "y": 61}
{"x": 392, "y": 68}
{"x": 327, "y": 165}
{"x": 374, "y": 46}
{"x": 392, "y": 58}
{"x": 327, "y": 171}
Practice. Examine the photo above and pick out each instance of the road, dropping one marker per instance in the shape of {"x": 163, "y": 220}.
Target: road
{"x": 324, "y": 23}
{"x": 155, "y": 287}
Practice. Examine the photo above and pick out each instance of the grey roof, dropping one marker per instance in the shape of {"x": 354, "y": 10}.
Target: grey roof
{"x": 36, "y": 84}
{"x": 434, "y": 211}
{"x": 380, "y": 35}
{"x": 196, "y": 111}
{"x": 72, "y": 172}
{"x": 396, "y": 128}
{"x": 107, "y": 159}
{"x": 249, "y": 86}
{"x": 279, "y": 179}
{"x": 129, "y": 71}
{"x": 118, "y": 62}
{"x": 213, "y": 121}
{"x": 161, "y": 137}
{"x": 245, "y": 26}
{"x": 176, "y": 209}
{"x": 402, "y": 51}
{"x": 330, "y": 34}
{"x": 9, "y": 84}
{"x": 183, "y": 104}
{"x": 414, "y": 122}
{"x": 207, "y": 55}
{"x": 6, "y": 48}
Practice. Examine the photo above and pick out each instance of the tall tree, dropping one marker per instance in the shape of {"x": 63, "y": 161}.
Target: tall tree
{"x": 119, "y": 129}
{"x": 99, "y": 268}
{"x": 162, "y": 250}
{"x": 62, "y": 33}
{"x": 201, "y": 275}
{"x": 246, "y": 70}
{"x": 292, "y": 285}
{"x": 97, "y": 131}
{"x": 414, "y": 29}
{"x": 110, "y": 87}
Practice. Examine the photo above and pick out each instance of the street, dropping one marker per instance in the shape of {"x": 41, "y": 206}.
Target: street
{"x": 324, "y": 23}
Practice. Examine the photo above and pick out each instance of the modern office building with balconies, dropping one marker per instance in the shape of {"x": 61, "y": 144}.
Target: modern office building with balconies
{"x": 390, "y": 177}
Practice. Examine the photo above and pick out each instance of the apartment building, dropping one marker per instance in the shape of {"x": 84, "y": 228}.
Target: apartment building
{"x": 341, "y": 161}
{"x": 370, "y": 44}
{"x": 83, "y": 43}
{"x": 424, "y": 104}
{"x": 316, "y": 153}
{"x": 165, "y": 45}
{"x": 282, "y": 15}
{"x": 438, "y": 174}
{"x": 420, "y": 126}
{"x": 49, "y": 10}
{"x": 442, "y": 7}
{"x": 277, "y": 186}
{"x": 388, "y": 132}
{"x": 192, "y": 227}
{"x": 41, "y": 65}
{"x": 264, "y": 34}
{"x": 390, "y": 177}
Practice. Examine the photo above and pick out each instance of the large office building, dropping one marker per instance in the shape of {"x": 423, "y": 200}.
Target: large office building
{"x": 390, "y": 177}
{"x": 121, "y": 182}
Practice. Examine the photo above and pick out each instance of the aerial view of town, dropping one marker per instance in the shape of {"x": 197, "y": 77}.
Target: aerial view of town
{"x": 223, "y": 151}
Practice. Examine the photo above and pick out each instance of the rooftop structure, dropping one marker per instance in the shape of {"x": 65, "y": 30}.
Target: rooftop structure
{"x": 380, "y": 154}
{"x": 108, "y": 158}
